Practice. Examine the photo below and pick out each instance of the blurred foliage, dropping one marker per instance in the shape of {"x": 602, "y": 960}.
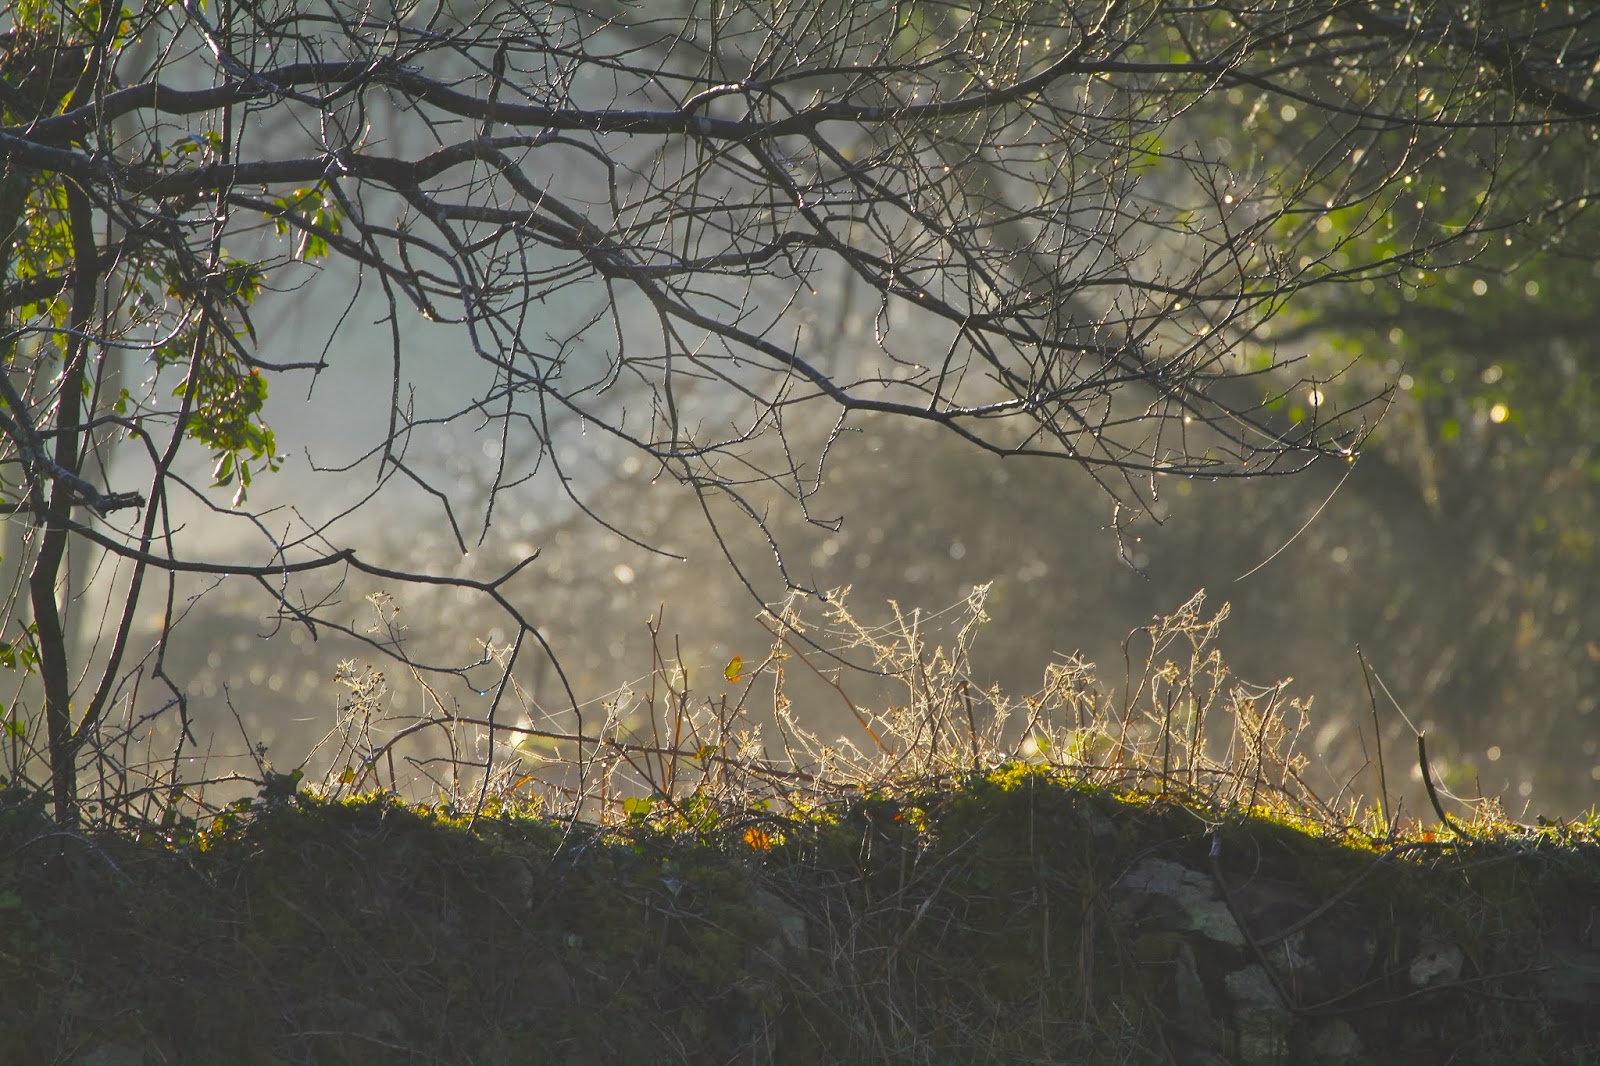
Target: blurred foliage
{"x": 1482, "y": 485}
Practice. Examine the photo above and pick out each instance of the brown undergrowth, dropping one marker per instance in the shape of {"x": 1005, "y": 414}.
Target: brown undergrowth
{"x": 1177, "y": 723}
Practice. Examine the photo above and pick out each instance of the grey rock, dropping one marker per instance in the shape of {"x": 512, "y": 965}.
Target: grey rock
{"x": 1436, "y": 964}
{"x": 1170, "y": 896}
{"x": 113, "y": 1055}
{"x": 1261, "y": 1018}
{"x": 1335, "y": 1043}
{"x": 791, "y": 930}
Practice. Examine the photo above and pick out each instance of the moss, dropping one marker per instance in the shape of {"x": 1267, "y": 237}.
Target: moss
{"x": 971, "y": 924}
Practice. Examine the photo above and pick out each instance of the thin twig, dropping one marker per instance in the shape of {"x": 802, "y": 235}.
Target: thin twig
{"x": 1383, "y": 781}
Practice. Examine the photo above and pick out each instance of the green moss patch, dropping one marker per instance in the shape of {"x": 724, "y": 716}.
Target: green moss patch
{"x": 1010, "y": 918}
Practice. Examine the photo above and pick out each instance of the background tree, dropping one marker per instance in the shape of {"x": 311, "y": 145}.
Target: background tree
{"x": 635, "y": 229}
{"x": 1486, "y": 465}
